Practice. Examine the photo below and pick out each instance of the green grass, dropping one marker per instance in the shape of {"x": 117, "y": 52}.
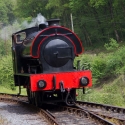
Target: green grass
{"x": 9, "y": 91}
{"x": 110, "y": 92}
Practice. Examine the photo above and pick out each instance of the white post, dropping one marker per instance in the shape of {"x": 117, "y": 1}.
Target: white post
{"x": 72, "y": 22}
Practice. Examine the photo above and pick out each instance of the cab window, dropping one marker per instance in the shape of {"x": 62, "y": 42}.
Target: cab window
{"x": 20, "y": 37}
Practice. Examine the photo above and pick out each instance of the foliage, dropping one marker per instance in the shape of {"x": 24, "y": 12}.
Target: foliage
{"x": 104, "y": 98}
{"x": 105, "y": 66}
{"x": 98, "y": 67}
{"x": 98, "y": 20}
{"x": 4, "y": 47}
{"x": 97, "y": 3}
{"x": 111, "y": 45}
{"x": 95, "y": 21}
{"x": 113, "y": 93}
{"x": 30, "y": 9}
{"x": 6, "y": 12}
{"x": 48, "y": 8}
{"x": 6, "y": 72}
{"x": 84, "y": 61}
{"x": 3, "y": 11}
{"x": 113, "y": 64}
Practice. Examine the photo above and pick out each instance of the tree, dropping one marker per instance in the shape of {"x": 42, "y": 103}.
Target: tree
{"x": 95, "y": 21}
{"x": 30, "y": 8}
{"x": 99, "y": 20}
{"x": 60, "y": 9}
{"x": 3, "y": 13}
{"x": 6, "y": 12}
{"x": 48, "y": 8}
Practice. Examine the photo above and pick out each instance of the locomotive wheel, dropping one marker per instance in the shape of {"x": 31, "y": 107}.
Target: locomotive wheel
{"x": 29, "y": 95}
{"x": 33, "y": 97}
{"x": 38, "y": 101}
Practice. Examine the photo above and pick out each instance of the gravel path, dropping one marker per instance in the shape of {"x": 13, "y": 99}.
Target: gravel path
{"x": 15, "y": 114}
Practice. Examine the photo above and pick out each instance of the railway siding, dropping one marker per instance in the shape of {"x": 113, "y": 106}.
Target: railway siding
{"x": 112, "y": 113}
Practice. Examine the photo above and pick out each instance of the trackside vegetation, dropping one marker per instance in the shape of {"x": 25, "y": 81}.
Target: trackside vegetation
{"x": 108, "y": 70}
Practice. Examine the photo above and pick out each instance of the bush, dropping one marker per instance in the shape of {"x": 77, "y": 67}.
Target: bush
{"x": 111, "y": 45}
{"x": 98, "y": 67}
{"x": 6, "y": 72}
{"x": 105, "y": 65}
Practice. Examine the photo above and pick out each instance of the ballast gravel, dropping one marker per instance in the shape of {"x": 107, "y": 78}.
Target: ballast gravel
{"x": 15, "y": 114}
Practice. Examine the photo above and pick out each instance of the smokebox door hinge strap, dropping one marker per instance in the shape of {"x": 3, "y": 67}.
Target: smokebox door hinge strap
{"x": 54, "y": 83}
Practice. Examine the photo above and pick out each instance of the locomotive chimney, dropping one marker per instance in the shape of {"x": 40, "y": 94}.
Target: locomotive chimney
{"x": 53, "y": 22}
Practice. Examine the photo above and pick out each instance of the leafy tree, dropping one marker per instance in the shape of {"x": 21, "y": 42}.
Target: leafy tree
{"x": 99, "y": 20}
{"x": 60, "y": 9}
{"x": 48, "y": 8}
{"x": 10, "y": 11}
{"x": 97, "y": 3}
{"x": 30, "y": 8}
{"x": 6, "y": 12}
{"x": 3, "y": 13}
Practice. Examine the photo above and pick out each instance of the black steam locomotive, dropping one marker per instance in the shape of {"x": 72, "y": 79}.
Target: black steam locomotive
{"x": 43, "y": 63}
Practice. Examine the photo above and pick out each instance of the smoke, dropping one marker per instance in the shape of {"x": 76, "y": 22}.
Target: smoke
{"x": 35, "y": 21}
{"x": 6, "y": 32}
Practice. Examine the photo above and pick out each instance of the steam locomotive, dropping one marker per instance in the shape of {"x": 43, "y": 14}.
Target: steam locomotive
{"x": 43, "y": 59}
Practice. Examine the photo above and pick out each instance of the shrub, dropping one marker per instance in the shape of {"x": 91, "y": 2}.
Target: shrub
{"x": 98, "y": 67}
{"x": 111, "y": 45}
{"x": 6, "y": 72}
{"x": 112, "y": 65}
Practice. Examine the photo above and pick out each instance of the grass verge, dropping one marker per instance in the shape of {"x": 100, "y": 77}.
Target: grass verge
{"x": 9, "y": 91}
{"x": 112, "y": 93}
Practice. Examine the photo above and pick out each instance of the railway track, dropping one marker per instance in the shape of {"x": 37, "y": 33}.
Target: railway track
{"x": 22, "y": 100}
{"x": 84, "y": 113}
{"x": 112, "y": 113}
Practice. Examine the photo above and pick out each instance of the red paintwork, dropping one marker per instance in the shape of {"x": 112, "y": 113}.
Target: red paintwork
{"x": 50, "y": 35}
{"x": 70, "y": 79}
